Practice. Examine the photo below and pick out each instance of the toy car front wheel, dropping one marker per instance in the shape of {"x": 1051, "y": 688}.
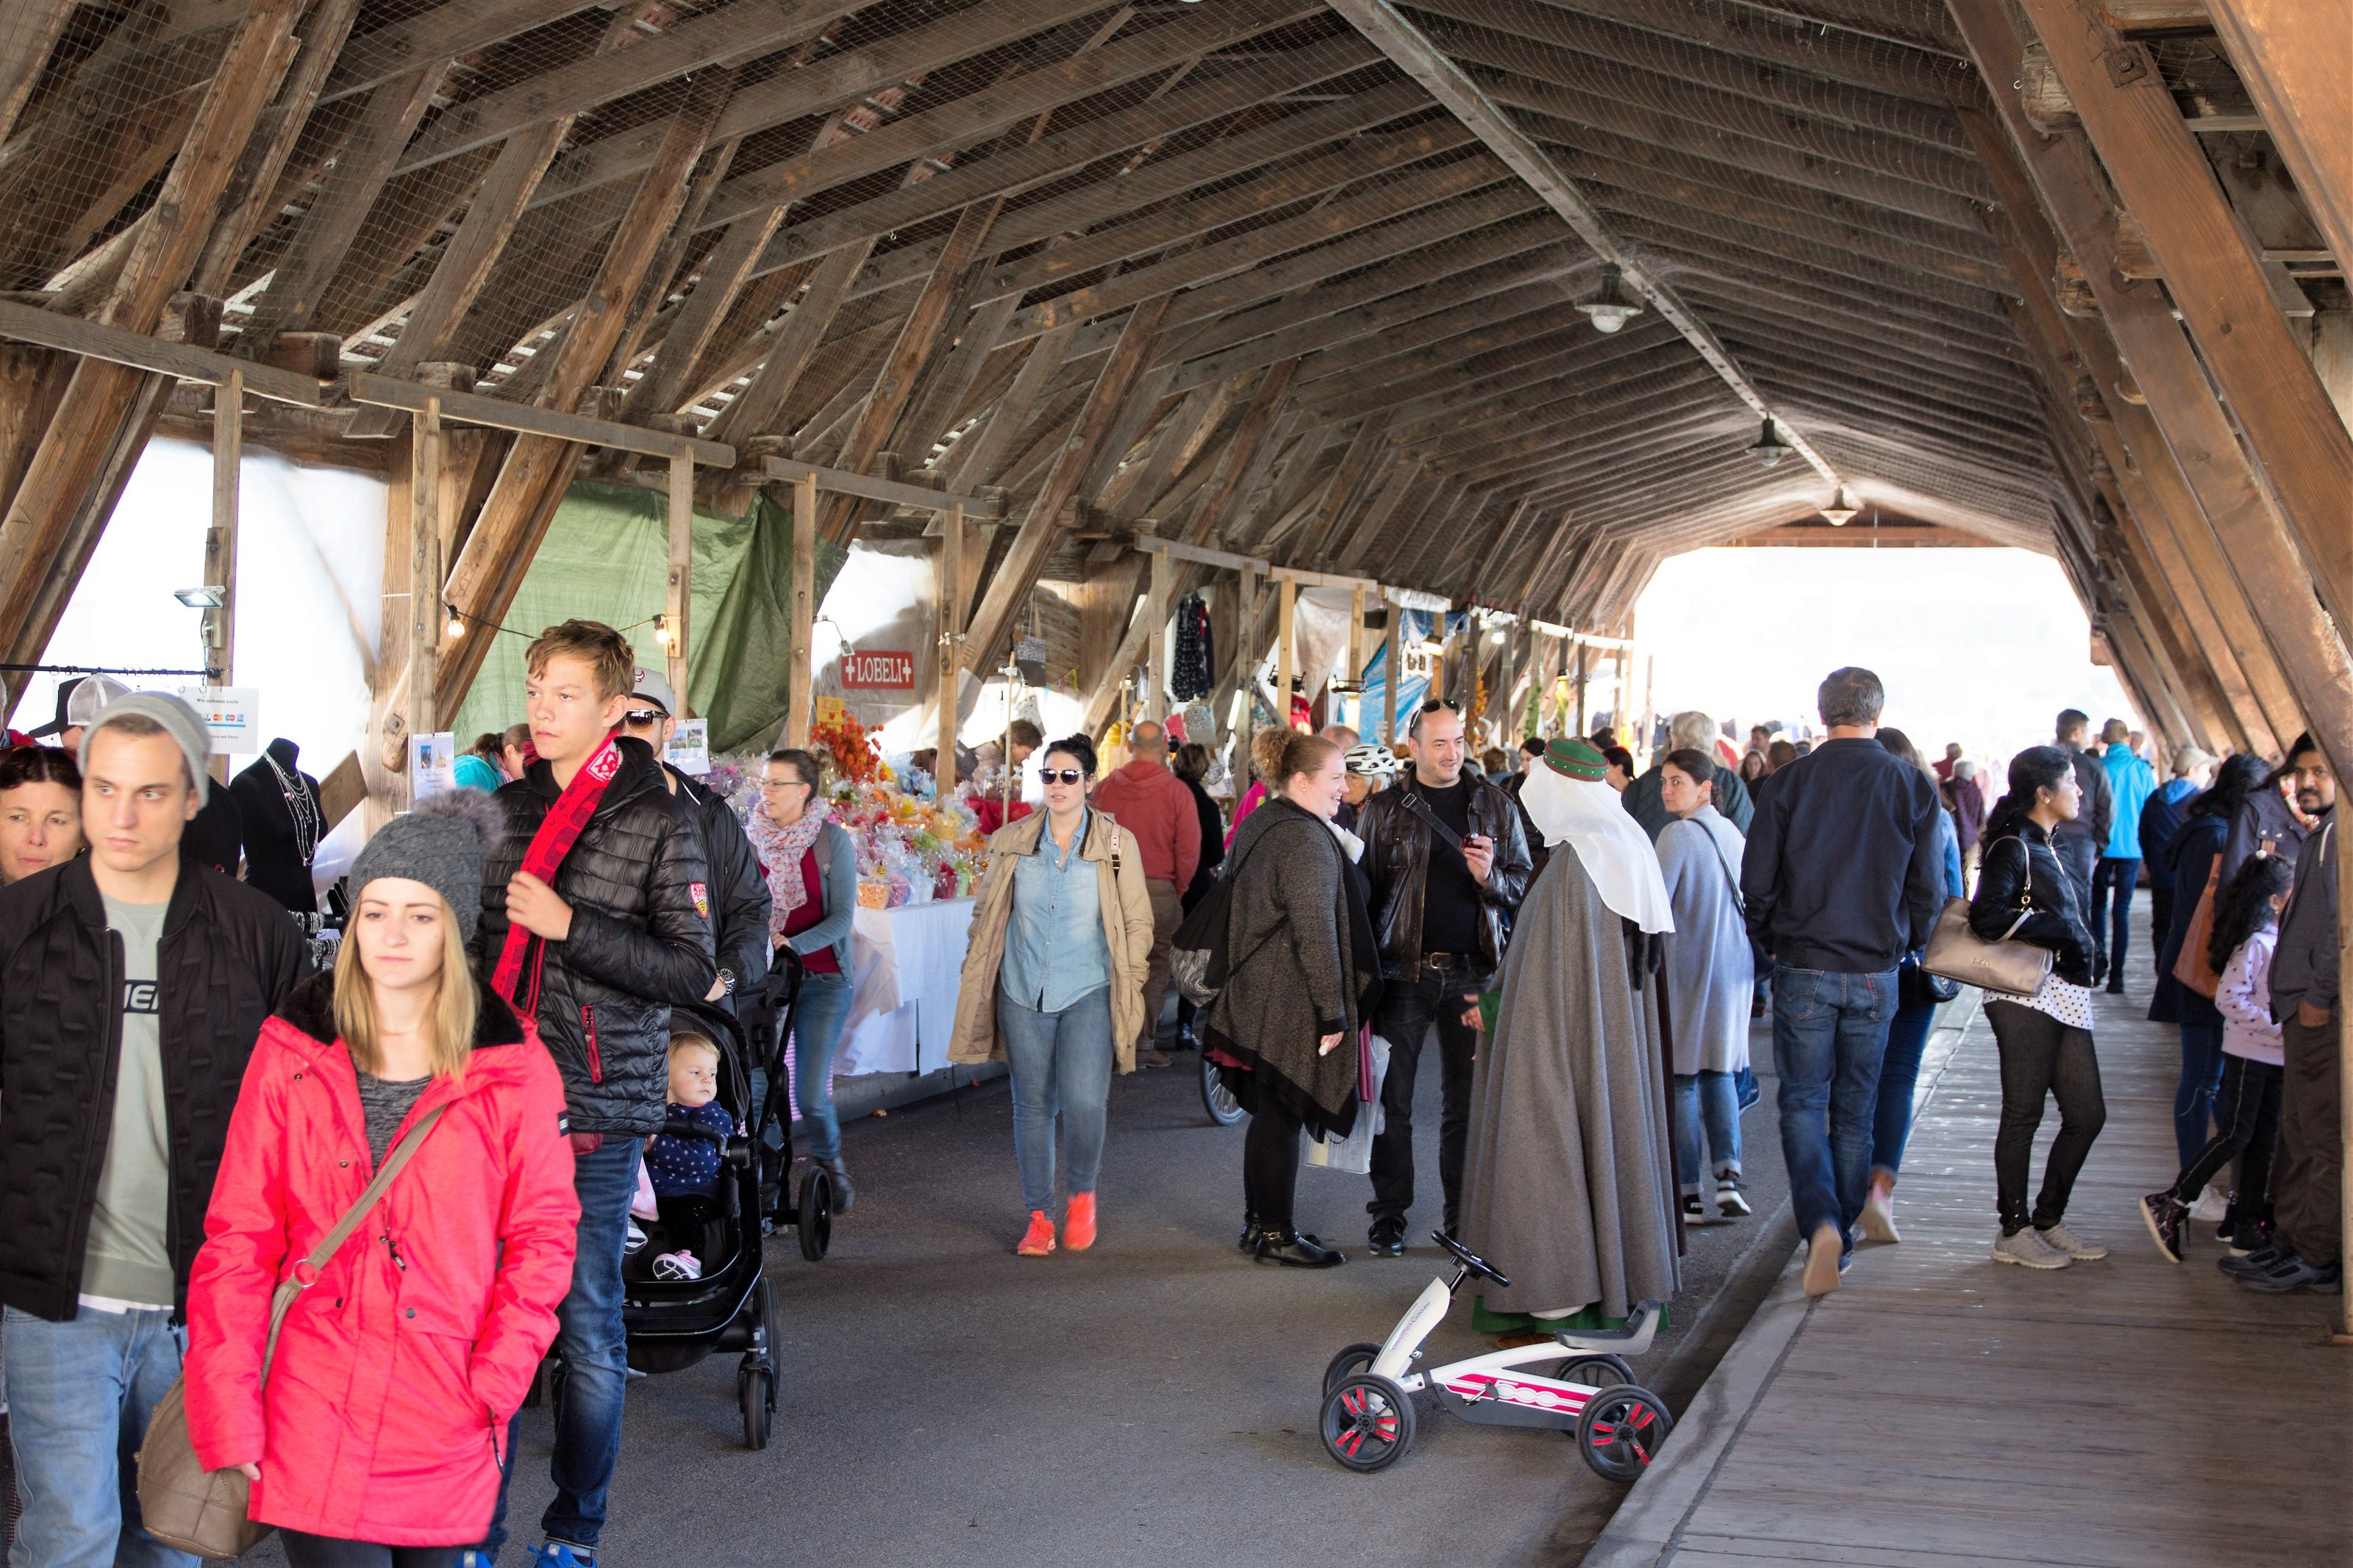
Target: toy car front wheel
{"x": 1595, "y": 1371}
{"x": 1621, "y": 1430}
{"x": 1368, "y": 1422}
{"x": 1356, "y": 1358}
{"x": 816, "y": 1215}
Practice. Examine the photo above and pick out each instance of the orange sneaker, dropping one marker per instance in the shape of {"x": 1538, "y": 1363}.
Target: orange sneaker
{"x": 1039, "y": 1239}
{"x": 1078, "y": 1224}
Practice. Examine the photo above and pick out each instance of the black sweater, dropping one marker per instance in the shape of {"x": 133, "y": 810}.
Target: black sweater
{"x": 1841, "y": 872}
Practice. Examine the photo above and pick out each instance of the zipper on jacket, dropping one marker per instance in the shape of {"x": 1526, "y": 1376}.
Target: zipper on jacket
{"x": 588, "y": 1033}
{"x": 394, "y": 1247}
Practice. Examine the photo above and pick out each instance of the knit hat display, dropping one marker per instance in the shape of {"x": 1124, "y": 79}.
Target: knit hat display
{"x": 1576, "y": 759}
{"x": 179, "y": 720}
{"x": 441, "y": 844}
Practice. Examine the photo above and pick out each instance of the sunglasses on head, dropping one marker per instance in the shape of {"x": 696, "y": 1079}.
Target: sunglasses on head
{"x": 1441, "y": 705}
{"x": 1060, "y": 775}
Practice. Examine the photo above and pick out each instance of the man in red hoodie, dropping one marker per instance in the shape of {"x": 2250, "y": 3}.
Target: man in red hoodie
{"x": 1154, "y": 803}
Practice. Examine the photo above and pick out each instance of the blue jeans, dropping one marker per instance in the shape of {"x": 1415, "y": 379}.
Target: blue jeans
{"x": 1060, "y": 1061}
{"x": 1899, "y": 1076}
{"x": 1829, "y": 1031}
{"x": 80, "y": 1394}
{"x": 2193, "y": 1098}
{"x": 2117, "y": 875}
{"x": 816, "y": 1031}
{"x": 1706, "y": 1100}
{"x": 588, "y": 1336}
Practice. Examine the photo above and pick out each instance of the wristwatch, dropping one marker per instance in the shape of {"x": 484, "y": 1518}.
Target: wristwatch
{"x": 727, "y": 979}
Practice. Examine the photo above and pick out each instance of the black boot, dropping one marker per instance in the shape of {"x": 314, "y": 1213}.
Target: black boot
{"x": 844, "y": 1194}
{"x": 1251, "y": 1232}
{"x": 1296, "y": 1251}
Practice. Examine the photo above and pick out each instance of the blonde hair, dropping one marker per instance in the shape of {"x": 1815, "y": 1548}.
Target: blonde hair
{"x": 604, "y": 650}
{"x": 1266, "y": 753}
{"x": 453, "y": 1005}
{"x": 690, "y": 1039}
{"x": 1301, "y": 754}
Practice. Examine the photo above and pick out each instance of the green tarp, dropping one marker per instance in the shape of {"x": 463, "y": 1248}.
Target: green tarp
{"x": 606, "y": 558}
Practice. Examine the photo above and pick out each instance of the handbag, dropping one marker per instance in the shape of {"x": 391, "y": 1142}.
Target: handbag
{"x": 189, "y": 1507}
{"x": 2003, "y": 967}
{"x": 2191, "y": 964}
{"x": 1197, "y": 953}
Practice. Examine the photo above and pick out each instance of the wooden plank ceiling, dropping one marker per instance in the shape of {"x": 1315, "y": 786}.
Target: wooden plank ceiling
{"x": 1220, "y": 270}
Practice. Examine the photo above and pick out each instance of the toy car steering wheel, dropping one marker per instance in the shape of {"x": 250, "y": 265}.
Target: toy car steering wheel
{"x": 1468, "y": 1258}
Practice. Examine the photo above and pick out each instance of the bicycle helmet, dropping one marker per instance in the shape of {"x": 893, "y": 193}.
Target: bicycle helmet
{"x": 1373, "y": 762}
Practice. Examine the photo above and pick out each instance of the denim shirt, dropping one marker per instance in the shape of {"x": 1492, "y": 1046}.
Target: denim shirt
{"x": 1055, "y": 951}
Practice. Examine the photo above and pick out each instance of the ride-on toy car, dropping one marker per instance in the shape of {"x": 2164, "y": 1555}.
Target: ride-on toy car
{"x": 1368, "y": 1422}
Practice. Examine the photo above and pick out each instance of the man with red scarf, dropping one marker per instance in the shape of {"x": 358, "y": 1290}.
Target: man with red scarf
{"x": 595, "y": 919}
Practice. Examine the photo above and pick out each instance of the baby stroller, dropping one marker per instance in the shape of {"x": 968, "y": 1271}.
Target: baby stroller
{"x": 809, "y": 1208}
{"x": 673, "y": 1324}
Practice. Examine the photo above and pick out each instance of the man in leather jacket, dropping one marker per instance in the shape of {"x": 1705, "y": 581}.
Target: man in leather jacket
{"x": 620, "y": 931}
{"x": 1442, "y": 911}
{"x": 738, "y": 895}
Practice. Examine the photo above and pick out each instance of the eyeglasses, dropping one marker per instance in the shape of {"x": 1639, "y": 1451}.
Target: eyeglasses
{"x": 782, "y": 783}
{"x": 643, "y": 718}
{"x": 1060, "y": 775}
{"x": 1441, "y": 705}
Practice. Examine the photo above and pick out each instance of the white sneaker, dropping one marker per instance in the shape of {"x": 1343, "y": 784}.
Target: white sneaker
{"x": 1877, "y": 1222}
{"x": 632, "y": 1240}
{"x": 677, "y": 1265}
{"x": 2074, "y": 1246}
{"x": 2028, "y": 1250}
{"x": 1728, "y": 1200}
{"x": 2211, "y": 1206}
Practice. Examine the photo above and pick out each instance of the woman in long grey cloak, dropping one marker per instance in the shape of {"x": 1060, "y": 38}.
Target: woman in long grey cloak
{"x": 1570, "y": 1186}
{"x": 1707, "y": 982}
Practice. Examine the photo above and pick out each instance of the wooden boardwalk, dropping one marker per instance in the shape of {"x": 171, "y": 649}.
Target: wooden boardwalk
{"x": 1940, "y": 1409}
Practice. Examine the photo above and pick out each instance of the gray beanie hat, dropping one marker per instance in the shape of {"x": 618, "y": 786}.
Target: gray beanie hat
{"x": 179, "y": 720}
{"x": 441, "y": 844}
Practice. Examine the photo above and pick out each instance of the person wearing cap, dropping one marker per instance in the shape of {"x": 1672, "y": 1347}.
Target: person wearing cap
{"x": 80, "y": 702}
{"x": 1570, "y": 1183}
{"x": 134, "y": 984}
{"x": 2160, "y": 819}
{"x": 384, "y": 1418}
{"x": 738, "y": 894}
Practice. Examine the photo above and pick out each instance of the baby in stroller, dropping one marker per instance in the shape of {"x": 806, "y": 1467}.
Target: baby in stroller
{"x": 685, "y": 1171}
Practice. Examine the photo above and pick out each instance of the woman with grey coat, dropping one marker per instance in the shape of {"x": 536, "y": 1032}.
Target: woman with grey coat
{"x": 1303, "y": 976}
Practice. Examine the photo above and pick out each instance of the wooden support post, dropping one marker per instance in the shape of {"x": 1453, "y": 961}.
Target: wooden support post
{"x": 1392, "y": 614}
{"x": 678, "y": 591}
{"x": 951, "y": 652}
{"x": 1507, "y": 724}
{"x": 1580, "y": 690}
{"x": 425, "y": 569}
{"x": 799, "y": 674}
{"x": 1357, "y": 650}
{"x": 1157, "y": 610}
{"x": 1245, "y": 663}
{"x": 1286, "y": 654}
{"x": 220, "y": 540}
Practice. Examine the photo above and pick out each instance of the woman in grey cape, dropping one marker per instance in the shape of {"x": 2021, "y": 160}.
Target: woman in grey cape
{"x": 1706, "y": 982}
{"x": 1570, "y": 1188}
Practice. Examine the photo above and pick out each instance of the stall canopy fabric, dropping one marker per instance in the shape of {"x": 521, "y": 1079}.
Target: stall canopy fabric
{"x": 606, "y": 558}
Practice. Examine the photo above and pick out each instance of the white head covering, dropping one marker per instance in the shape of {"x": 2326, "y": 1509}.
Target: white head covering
{"x": 1610, "y": 845}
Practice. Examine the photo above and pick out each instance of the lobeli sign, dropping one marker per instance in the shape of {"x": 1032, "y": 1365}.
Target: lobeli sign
{"x": 879, "y": 670}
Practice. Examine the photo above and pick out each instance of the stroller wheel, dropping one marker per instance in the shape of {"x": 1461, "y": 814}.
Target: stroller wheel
{"x": 816, "y": 1215}
{"x": 1621, "y": 1430}
{"x": 1595, "y": 1371}
{"x": 1368, "y": 1422}
{"x": 759, "y": 1395}
{"x": 1216, "y": 1098}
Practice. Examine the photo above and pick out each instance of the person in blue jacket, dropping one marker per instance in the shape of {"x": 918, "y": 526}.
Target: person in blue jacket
{"x": 2130, "y": 784}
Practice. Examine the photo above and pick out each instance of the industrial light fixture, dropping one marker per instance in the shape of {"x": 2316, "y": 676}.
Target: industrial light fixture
{"x": 1769, "y": 448}
{"x": 211, "y": 597}
{"x": 451, "y": 625}
{"x": 1841, "y": 508}
{"x": 1610, "y": 310}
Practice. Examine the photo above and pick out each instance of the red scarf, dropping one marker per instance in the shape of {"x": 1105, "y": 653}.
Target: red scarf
{"x": 558, "y": 831}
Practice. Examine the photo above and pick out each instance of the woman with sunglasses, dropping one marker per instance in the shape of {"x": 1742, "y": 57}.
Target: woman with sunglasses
{"x": 813, "y": 897}
{"x": 1053, "y": 983}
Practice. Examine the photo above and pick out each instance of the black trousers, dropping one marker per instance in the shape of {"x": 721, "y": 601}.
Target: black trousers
{"x": 325, "y": 1551}
{"x": 2306, "y": 1176}
{"x": 2247, "y": 1120}
{"x": 2040, "y": 1058}
{"x": 1271, "y": 1163}
{"x": 2160, "y": 920}
{"x": 1409, "y": 1005}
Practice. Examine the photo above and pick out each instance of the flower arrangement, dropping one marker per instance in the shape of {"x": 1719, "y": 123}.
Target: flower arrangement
{"x": 853, "y": 754}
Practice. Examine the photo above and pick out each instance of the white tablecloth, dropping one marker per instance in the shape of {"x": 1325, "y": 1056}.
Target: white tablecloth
{"x": 907, "y": 962}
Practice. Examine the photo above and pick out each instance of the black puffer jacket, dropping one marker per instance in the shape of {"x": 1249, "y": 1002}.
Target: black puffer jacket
{"x": 1398, "y": 846}
{"x": 739, "y": 893}
{"x": 640, "y": 942}
{"x": 2019, "y": 872}
{"x": 229, "y": 955}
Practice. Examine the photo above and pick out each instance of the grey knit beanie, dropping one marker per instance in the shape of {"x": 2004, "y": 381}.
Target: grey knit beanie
{"x": 179, "y": 720}
{"x": 441, "y": 844}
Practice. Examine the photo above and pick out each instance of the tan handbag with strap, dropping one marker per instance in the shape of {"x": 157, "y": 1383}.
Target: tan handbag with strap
{"x": 189, "y": 1507}
{"x": 2001, "y": 968}
{"x": 2191, "y": 966}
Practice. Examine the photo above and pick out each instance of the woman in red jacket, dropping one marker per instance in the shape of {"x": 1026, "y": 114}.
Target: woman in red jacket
{"x": 376, "y": 1439}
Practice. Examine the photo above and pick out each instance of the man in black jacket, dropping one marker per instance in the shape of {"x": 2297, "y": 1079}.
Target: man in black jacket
{"x": 1442, "y": 907}
{"x": 132, "y": 984}
{"x": 739, "y": 897}
{"x": 1842, "y": 878}
{"x": 2080, "y": 842}
{"x": 610, "y": 941}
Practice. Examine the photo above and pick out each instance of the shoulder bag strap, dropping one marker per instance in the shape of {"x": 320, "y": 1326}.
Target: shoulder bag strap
{"x": 1737, "y": 901}
{"x": 2026, "y": 891}
{"x": 1414, "y": 803}
{"x": 306, "y": 1273}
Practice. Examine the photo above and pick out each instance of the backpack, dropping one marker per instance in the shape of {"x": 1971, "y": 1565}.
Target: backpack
{"x": 1196, "y": 953}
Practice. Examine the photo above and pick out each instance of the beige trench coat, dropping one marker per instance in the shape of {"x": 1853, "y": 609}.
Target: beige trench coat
{"x": 1127, "y": 929}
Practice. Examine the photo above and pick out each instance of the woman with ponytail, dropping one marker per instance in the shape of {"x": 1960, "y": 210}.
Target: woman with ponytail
{"x": 2025, "y": 894}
